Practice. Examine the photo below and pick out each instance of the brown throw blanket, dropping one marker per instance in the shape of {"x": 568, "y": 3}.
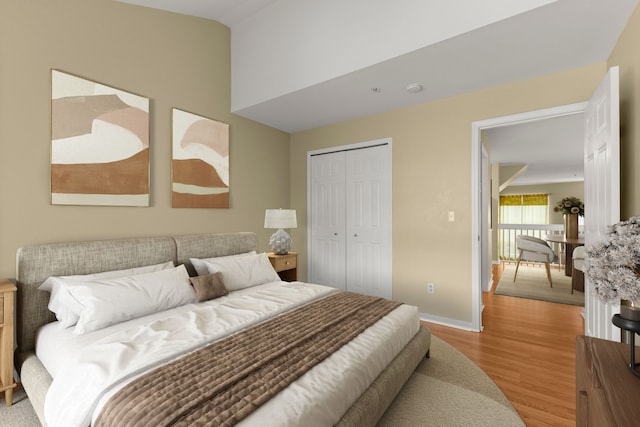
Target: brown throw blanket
{"x": 222, "y": 383}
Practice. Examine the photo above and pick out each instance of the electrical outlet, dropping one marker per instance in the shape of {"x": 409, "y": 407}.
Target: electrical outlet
{"x": 452, "y": 216}
{"x": 430, "y": 288}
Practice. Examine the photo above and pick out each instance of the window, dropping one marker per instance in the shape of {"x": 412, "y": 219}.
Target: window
{"x": 521, "y": 210}
{"x": 524, "y": 209}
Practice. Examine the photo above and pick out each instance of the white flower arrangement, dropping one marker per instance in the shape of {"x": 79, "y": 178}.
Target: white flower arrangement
{"x": 570, "y": 205}
{"x": 613, "y": 265}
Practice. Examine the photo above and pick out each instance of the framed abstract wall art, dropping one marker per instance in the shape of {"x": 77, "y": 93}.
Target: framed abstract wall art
{"x": 200, "y": 161}
{"x": 99, "y": 144}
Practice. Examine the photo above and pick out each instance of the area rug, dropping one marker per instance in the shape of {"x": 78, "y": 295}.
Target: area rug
{"x": 532, "y": 283}
{"x": 19, "y": 414}
{"x": 447, "y": 389}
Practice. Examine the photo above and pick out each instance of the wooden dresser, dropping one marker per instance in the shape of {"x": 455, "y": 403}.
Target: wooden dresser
{"x": 607, "y": 392}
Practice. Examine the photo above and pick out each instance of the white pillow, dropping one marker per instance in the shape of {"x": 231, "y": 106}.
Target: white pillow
{"x": 110, "y": 301}
{"x": 60, "y": 300}
{"x": 201, "y": 268}
{"x": 243, "y": 272}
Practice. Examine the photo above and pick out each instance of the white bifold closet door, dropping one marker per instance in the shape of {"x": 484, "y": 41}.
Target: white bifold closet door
{"x": 350, "y": 219}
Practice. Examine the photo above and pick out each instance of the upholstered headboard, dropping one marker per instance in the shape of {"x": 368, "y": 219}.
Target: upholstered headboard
{"x": 37, "y": 262}
{"x": 212, "y": 245}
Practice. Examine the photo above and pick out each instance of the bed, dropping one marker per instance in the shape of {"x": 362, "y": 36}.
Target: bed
{"x": 352, "y": 386}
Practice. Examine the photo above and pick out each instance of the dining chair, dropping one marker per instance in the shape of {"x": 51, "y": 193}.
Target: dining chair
{"x": 532, "y": 249}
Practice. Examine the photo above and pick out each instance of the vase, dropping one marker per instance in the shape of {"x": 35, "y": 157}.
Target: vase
{"x": 630, "y": 310}
{"x": 571, "y": 226}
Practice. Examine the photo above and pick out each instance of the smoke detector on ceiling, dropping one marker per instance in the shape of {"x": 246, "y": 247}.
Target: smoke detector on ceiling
{"x": 414, "y": 88}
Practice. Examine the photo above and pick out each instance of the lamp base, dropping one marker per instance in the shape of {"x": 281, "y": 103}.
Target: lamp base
{"x": 280, "y": 242}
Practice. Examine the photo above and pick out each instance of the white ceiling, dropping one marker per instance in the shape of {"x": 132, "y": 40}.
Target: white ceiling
{"x": 552, "y": 149}
{"x": 563, "y": 35}
{"x": 229, "y": 12}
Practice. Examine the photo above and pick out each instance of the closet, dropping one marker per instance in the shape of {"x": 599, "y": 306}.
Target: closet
{"x": 349, "y": 214}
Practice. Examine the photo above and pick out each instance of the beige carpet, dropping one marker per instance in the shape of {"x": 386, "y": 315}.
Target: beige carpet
{"x": 447, "y": 389}
{"x": 532, "y": 283}
{"x": 20, "y": 414}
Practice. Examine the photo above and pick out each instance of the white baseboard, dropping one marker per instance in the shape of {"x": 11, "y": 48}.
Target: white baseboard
{"x": 446, "y": 321}
{"x": 491, "y": 282}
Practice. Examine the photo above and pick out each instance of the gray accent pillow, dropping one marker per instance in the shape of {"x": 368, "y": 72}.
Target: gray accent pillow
{"x": 209, "y": 286}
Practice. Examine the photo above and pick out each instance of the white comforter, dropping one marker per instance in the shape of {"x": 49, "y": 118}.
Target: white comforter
{"x": 88, "y": 369}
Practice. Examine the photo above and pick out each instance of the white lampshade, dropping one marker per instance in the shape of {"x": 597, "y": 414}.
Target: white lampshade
{"x": 280, "y": 218}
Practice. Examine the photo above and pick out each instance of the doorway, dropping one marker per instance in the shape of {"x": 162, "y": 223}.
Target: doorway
{"x": 479, "y": 203}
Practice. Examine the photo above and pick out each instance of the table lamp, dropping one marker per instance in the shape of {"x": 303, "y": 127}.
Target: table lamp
{"x": 280, "y": 241}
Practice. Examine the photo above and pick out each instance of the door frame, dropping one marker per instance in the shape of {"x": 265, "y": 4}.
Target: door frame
{"x": 477, "y": 204}
{"x": 486, "y": 277}
{"x": 349, "y": 147}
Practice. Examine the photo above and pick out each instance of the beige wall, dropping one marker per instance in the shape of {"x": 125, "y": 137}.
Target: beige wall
{"x": 431, "y": 176}
{"x": 176, "y": 61}
{"x": 626, "y": 55}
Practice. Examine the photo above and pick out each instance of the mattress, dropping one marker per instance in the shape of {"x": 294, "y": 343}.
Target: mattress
{"x": 88, "y": 369}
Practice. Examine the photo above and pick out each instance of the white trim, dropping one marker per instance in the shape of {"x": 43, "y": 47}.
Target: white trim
{"x": 476, "y": 158}
{"x": 354, "y": 146}
{"x": 490, "y": 286}
{"x": 485, "y": 169}
{"x": 446, "y": 321}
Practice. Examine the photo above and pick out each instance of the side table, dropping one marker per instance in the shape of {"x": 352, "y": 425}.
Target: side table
{"x": 285, "y": 265}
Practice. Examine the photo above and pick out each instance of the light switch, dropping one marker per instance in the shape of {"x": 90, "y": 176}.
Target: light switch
{"x": 452, "y": 216}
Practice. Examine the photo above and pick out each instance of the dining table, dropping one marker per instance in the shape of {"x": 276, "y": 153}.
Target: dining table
{"x": 569, "y": 245}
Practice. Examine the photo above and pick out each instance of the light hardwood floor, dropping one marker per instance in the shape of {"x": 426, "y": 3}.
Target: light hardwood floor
{"x": 528, "y": 348}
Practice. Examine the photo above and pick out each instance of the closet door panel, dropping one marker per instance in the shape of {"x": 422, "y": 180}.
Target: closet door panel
{"x": 327, "y": 264}
{"x": 368, "y": 220}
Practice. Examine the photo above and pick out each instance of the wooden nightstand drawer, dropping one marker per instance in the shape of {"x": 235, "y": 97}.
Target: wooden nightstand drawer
{"x": 285, "y": 265}
{"x": 285, "y": 262}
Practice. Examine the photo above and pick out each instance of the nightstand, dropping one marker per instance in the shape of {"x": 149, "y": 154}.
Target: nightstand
{"x": 7, "y": 296}
{"x": 286, "y": 265}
